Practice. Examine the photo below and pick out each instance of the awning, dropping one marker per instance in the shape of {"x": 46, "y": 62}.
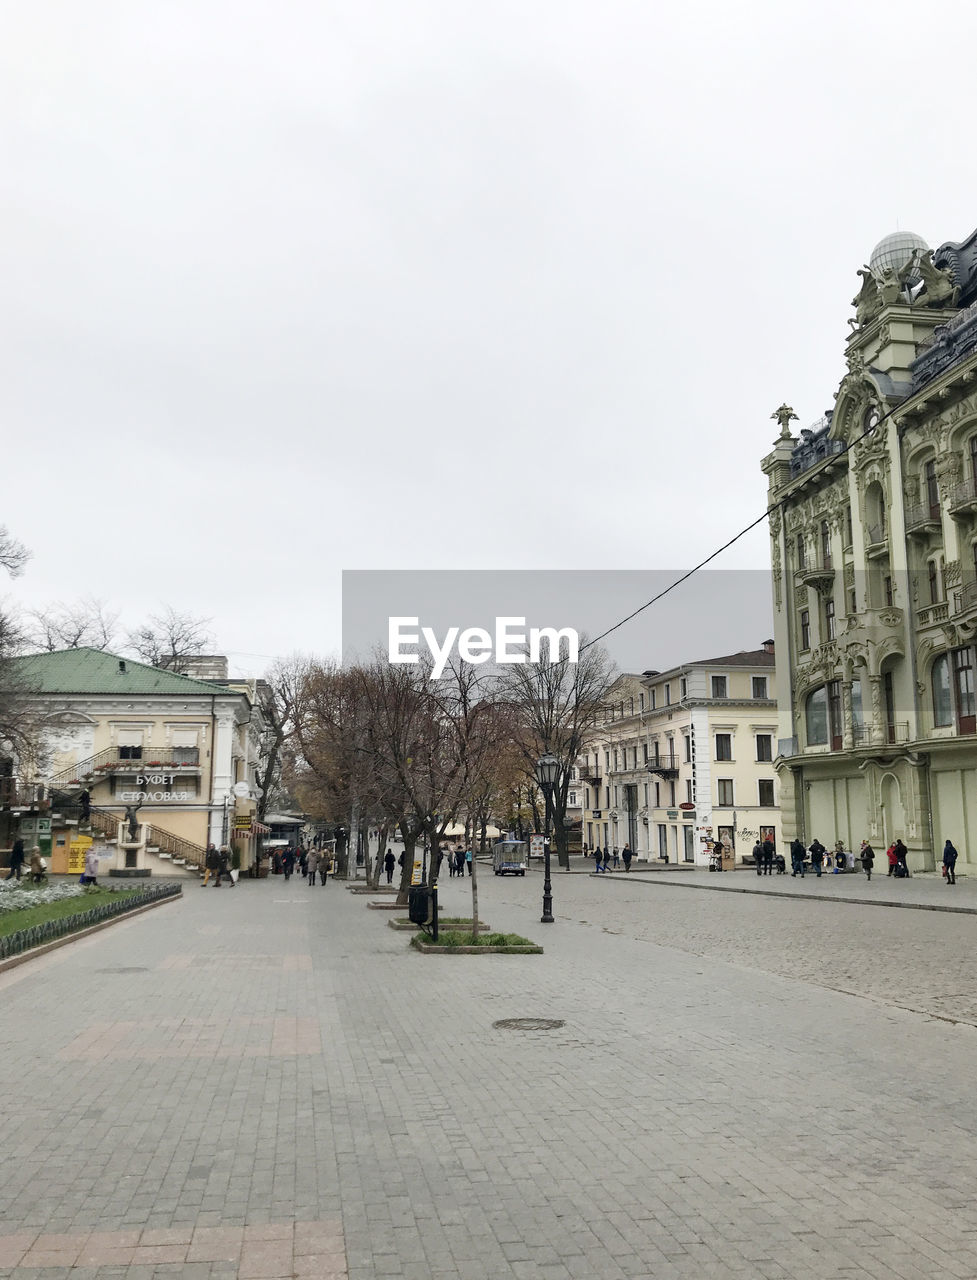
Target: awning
{"x": 259, "y": 828}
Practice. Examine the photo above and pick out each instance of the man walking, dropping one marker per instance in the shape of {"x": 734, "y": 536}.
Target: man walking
{"x": 768, "y": 852}
{"x": 758, "y": 858}
{"x": 867, "y": 855}
{"x": 817, "y": 855}
{"x": 16, "y": 861}
{"x": 211, "y": 864}
{"x": 950, "y": 863}
{"x": 627, "y": 855}
{"x": 389, "y": 862}
{"x": 797, "y": 857}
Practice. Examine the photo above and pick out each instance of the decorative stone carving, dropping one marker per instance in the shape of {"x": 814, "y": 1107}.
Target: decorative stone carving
{"x": 850, "y": 574}
{"x": 784, "y": 416}
{"x": 868, "y": 301}
{"x": 948, "y": 469}
{"x": 951, "y": 573}
{"x": 938, "y": 288}
{"x": 800, "y": 597}
{"x": 775, "y": 567}
{"x": 910, "y": 489}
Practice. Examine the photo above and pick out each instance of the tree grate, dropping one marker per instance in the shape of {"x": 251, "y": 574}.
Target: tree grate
{"x": 529, "y": 1024}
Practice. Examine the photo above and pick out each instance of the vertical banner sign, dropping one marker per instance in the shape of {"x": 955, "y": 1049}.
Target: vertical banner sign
{"x": 536, "y": 849}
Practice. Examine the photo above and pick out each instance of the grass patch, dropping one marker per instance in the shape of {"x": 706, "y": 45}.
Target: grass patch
{"x": 460, "y": 938}
{"x": 27, "y": 917}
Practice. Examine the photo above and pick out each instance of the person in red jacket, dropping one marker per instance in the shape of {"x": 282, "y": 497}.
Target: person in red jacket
{"x": 890, "y": 853}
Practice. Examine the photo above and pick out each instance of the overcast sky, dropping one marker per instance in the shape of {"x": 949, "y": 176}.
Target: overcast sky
{"x": 301, "y": 287}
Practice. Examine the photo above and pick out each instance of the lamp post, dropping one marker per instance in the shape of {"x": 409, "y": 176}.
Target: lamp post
{"x": 547, "y": 768}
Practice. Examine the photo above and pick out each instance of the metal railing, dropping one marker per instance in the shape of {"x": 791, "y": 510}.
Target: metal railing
{"x": 787, "y": 747}
{"x": 966, "y": 598}
{"x": 876, "y": 535}
{"x": 865, "y": 735}
{"x": 964, "y": 493}
{"x": 106, "y": 822}
{"x": 921, "y": 515}
{"x": 27, "y": 939}
{"x": 118, "y": 759}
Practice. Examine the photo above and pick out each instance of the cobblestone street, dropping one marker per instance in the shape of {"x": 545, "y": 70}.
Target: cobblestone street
{"x": 267, "y": 1084}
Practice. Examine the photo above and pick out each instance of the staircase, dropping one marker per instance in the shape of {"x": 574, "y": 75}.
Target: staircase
{"x": 166, "y": 846}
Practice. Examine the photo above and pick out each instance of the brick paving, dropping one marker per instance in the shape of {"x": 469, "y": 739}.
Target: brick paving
{"x": 269, "y": 1084}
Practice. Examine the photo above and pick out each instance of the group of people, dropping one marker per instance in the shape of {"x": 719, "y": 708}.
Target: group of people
{"x": 458, "y": 861}
{"x": 217, "y": 864}
{"x": 38, "y": 867}
{"x": 764, "y": 855}
{"x": 604, "y": 858}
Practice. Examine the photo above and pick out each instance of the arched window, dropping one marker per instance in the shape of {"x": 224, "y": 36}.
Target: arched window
{"x": 940, "y": 682}
{"x": 817, "y": 717}
{"x": 932, "y": 489}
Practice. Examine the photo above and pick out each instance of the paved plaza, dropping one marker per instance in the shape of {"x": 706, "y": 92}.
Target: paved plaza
{"x": 266, "y": 1083}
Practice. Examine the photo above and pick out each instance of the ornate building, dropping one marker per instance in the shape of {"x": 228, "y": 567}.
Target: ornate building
{"x": 873, "y": 525}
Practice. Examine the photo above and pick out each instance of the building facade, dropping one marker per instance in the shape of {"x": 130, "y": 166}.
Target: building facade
{"x": 185, "y": 751}
{"x": 873, "y": 525}
{"x": 685, "y": 758}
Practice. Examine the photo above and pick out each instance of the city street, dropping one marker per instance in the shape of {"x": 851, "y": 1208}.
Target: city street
{"x": 268, "y": 1083}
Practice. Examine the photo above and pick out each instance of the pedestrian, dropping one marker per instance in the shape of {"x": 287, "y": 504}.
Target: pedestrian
{"x": 469, "y": 859}
{"x": 797, "y": 857}
{"x": 91, "y": 866}
{"x": 16, "y": 861}
{"x": 303, "y": 859}
{"x": 817, "y": 855}
{"x": 606, "y": 859}
{"x": 85, "y": 800}
{"x": 325, "y": 864}
{"x": 901, "y": 854}
{"x": 224, "y": 867}
{"x": 627, "y": 855}
{"x": 890, "y": 853}
{"x": 37, "y": 865}
{"x": 311, "y": 865}
{"x": 768, "y": 854}
{"x": 440, "y": 859}
{"x": 211, "y": 864}
{"x": 867, "y": 855}
{"x": 617, "y": 858}
{"x": 597, "y": 857}
{"x": 389, "y": 862}
{"x": 758, "y": 858}
{"x": 288, "y": 863}
{"x": 950, "y": 863}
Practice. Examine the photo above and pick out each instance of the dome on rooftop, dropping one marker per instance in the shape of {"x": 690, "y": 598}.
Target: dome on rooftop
{"x": 895, "y": 251}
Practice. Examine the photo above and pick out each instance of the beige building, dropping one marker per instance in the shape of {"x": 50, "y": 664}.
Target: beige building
{"x": 186, "y": 751}
{"x": 874, "y": 550}
{"x": 685, "y": 758}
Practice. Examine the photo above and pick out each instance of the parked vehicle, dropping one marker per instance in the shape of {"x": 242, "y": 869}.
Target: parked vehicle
{"x": 509, "y": 858}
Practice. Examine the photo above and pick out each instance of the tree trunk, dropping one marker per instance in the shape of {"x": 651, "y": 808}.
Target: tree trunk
{"x": 373, "y": 872}
{"x": 474, "y": 865}
{"x": 562, "y": 842}
{"x": 406, "y": 871}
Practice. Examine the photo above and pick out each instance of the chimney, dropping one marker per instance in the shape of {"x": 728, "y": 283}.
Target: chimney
{"x": 767, "y": 646}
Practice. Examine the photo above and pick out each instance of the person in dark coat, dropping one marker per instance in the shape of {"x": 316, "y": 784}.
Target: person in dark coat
{"x": 890, "y": 854}
{"x": 758, "y": 858}
{"x": 817, "y": 855}
{"x": 797, "y": 857}
{"x": 950, "y": 862}
{"x": 389, "y": 862}
{"x": 867, "y": 855}
{"x": 597, "y": 855}
{"x": 224, "y": 867}
{"x": 16, "y": 861}
{"x": 901, "y": 855}
{"x": 768, "y": 855}
{"x": 85, "y": 800}
{"x": 288, "y": 862}
{"x": 211, "y": 864}
{"x": 627, "y": 855}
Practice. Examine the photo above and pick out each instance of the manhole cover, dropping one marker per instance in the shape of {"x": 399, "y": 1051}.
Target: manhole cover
{"x": 139, "y": 968}
{"x": 528, "y": 1024}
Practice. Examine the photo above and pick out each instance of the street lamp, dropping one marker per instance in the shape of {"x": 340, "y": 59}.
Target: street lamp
{"x": 547, "y": 769}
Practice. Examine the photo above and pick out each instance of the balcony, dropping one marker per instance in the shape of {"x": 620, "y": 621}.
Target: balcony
{"x": 821, "y": 577}
{"x": 931, "y": 614}
{"x": 923, "y": 518}
{"x": 17, "y": 794}
{"x": 965, "y": 600}
{"x": 119, "y": 760}
{"x": 876, "y": 541}
{"x": 664, "y": 766}
{"x": 963, "y": 498}
{"x": 787, "y": 747}
{"x": 870, "y": 735}
{"x": 590, "y": 776}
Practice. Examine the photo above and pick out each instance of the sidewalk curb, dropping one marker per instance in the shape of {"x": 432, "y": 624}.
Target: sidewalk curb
{"x": 807, "y": 897}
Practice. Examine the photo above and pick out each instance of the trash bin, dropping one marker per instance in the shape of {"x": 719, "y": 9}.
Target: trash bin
{"x": 419, "y": 904}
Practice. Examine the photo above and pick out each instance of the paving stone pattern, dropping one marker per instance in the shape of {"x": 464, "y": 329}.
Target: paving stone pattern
{"x": 269, "y": 1083}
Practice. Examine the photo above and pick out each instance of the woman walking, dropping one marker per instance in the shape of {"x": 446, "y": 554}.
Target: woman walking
{"x": 950, "y": 863}
{"x": 868, "y": 858}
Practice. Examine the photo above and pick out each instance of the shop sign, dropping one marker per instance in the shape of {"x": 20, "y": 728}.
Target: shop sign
{"x": 157, "y": 797}
{"x": 77, "y": 848}
{"x": 537, "y": 846}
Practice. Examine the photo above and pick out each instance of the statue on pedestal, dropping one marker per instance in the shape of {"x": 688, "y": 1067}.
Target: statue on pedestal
{"x": 938, "y": 288}
{"x": 133, "y": 821}
{"x": 868, "y": 301}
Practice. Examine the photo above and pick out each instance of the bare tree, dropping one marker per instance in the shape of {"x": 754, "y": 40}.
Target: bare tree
{"x": 169, "y": 638}
{"x": 556, "y": 704}
{"x": 85, "y": 624}
{"x": 13, "y": 554}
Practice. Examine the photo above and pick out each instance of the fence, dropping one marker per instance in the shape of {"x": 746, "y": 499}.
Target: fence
{"x": 14, "y": 944}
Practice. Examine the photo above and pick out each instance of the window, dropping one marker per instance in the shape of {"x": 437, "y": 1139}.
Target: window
{"x": 889, "y": 701}
{"x": 759, "y": 686}
{"x": 724, "y": 746}
{"x": 825, "y": 545}
{"x": 829, "y": 619}
{"x": 615, "y": 759}
{"x": 848, "y": 529}
{"x": 658, "y": 795}
{"x": 644, "y": 747}
{"x": 805, "y": 629}
{"x": 662, "y": 841}
{"x": 671, "y": 795}
{"x": 835, "y": 719}
{"x": 654, "y": 700}
{"x": 607, "y": 761}
{"x": 933, "y": 575}
{"x": 130, "y": 744}
{"x": 688, "y": 748}
{"x": 641, "y": 702}
{"x": 816, "y": 717}
{"x": 887, "y": 589}
{"x": 725, "y": 787}
{"x": 852, "y": 602}
{"x": 963, "y": 683}
{"x": 801, "y": 552}
{"x": 688, "y": 790}
{"x": 932, "y": 489}
{"x": 683, "y": 687}
{"x": 668, "y": 695}
{"x": 617, "y": 797}
{"x": 856, "y": 707}
{"x": 764, "y": 746}
{"x": 572, "y": 797}
{"x": 765, "y": 792}
{"x": 719, "y": 686}
{"x": 607, "y": 797}
{"x": 940, "y": 681}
